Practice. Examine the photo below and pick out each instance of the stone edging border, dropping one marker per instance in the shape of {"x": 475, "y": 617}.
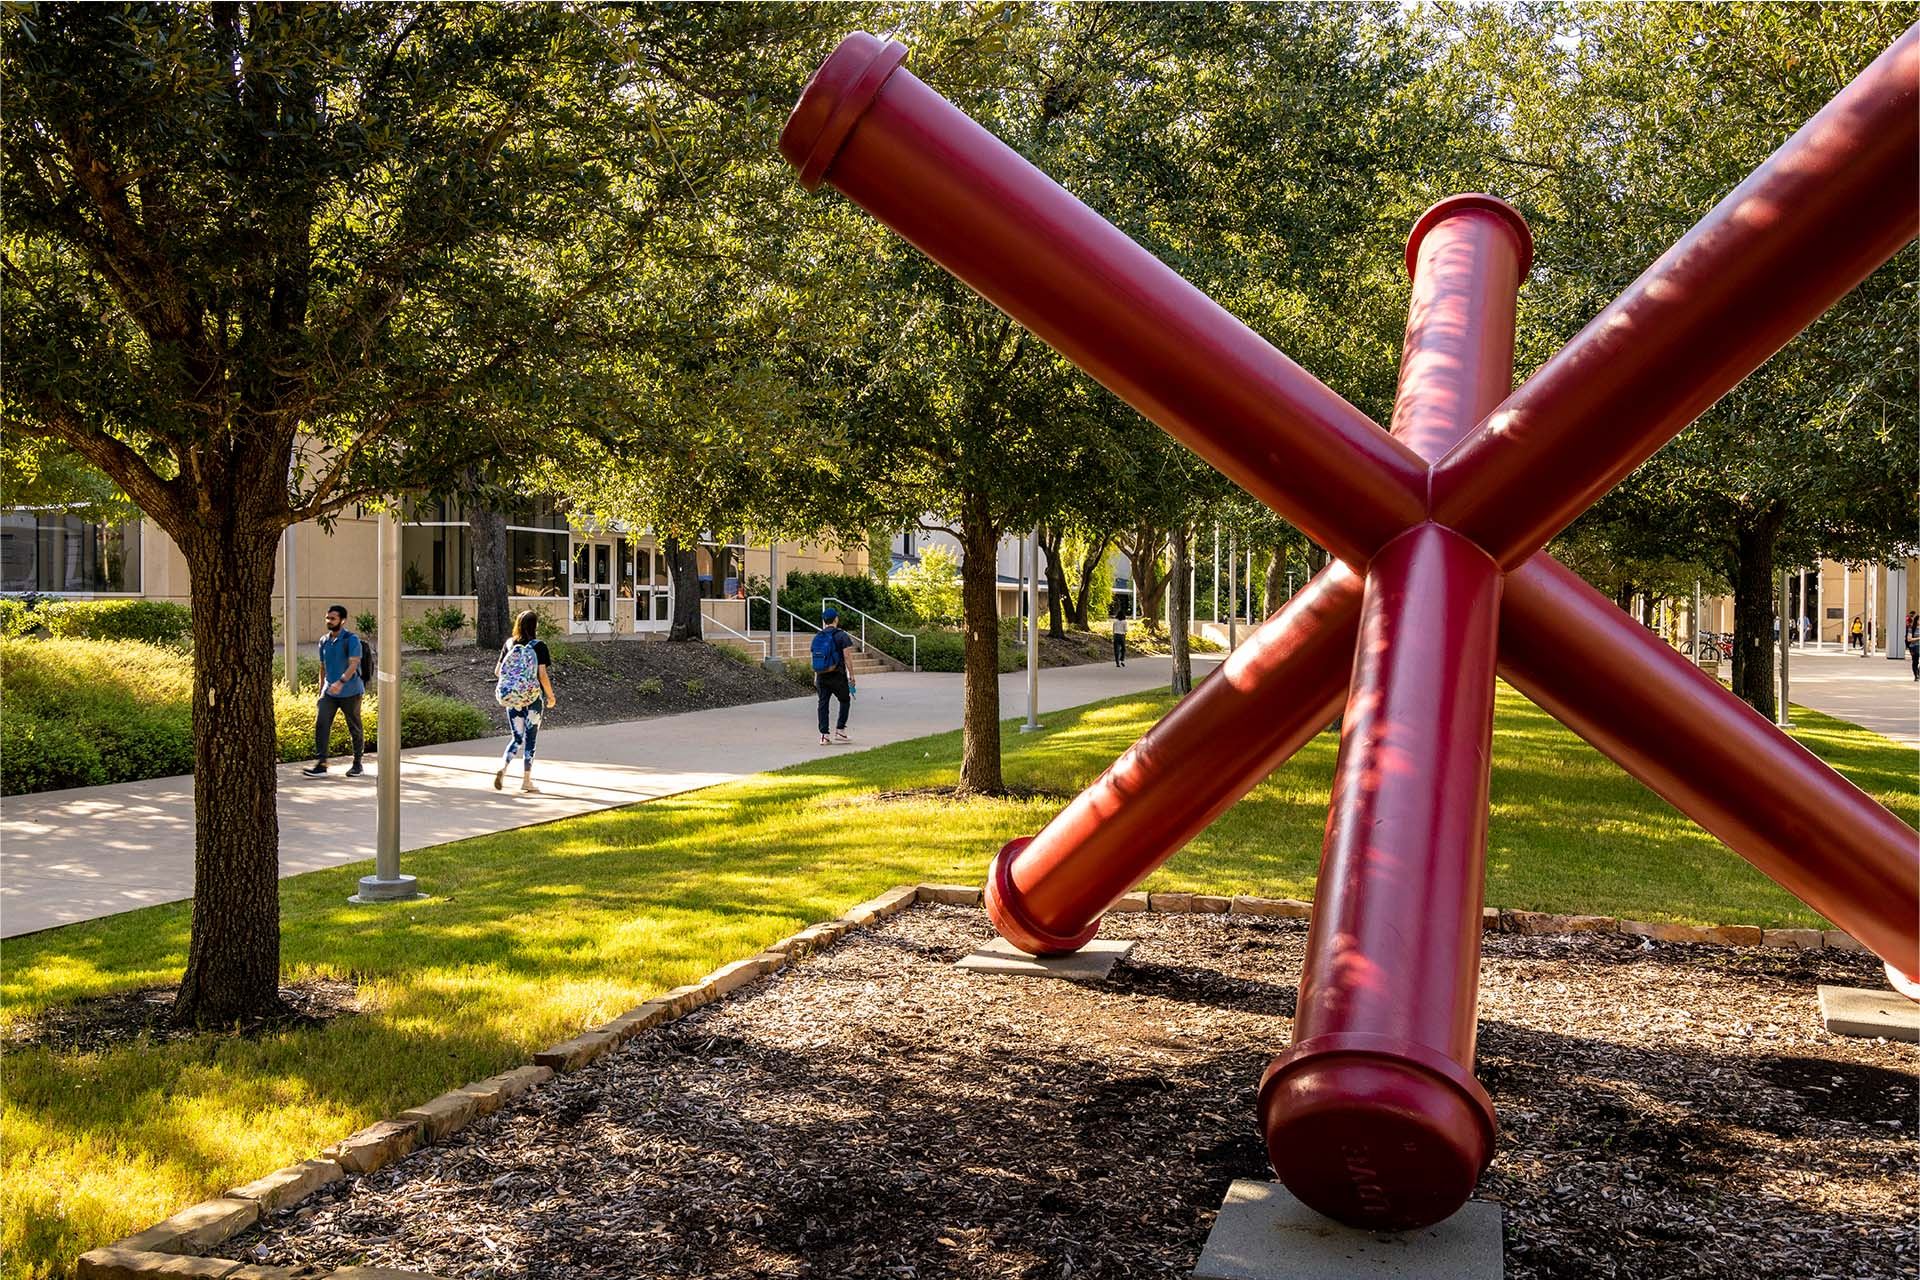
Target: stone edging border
{"x": 176, "y": 1246}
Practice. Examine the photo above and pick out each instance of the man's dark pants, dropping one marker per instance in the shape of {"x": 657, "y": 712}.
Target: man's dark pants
{"x": 833, "y": 684}
{"x": 323, "y": 728}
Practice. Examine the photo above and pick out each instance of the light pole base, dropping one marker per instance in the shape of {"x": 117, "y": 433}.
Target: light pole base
{"x": 398, "y": 889}
{"x": 1029, "y": 728}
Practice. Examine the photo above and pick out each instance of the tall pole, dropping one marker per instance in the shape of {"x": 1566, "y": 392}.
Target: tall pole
{"x": 290, "y": 609}
{"x": 1780, "y": 712}
{"x": 1033, "y": 633}
{"x": 1233, "y": 591}
{"x": 774, "y": 653}
{"x": 1896, "y": 610}
{"x": 1694, "y": 625}
{"x": 1846, "y": 608}
{"x": 1216, "y": 571}
{"x": 387, "y": 884}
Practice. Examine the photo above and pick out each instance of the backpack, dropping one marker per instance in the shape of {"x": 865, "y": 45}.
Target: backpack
{"x": 519, "y": 684}
{"x": 825, "y": 655}
{"x": 367, "y": 668}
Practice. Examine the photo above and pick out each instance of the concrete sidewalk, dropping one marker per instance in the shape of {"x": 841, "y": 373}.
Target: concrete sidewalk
{"x": 95, "y": 851}
{"x": 1874, "y": 692}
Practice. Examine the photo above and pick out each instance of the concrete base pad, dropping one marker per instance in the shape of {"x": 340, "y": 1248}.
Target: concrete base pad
{"x": 399, "y": 889}
{"x": 1092, "y": 962}
{"x": 1852, "y": 1011}
{"x": 1263, "y": 1233}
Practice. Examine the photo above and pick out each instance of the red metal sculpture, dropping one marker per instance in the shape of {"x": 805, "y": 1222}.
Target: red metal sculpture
{"x": 1373, "y": 1115}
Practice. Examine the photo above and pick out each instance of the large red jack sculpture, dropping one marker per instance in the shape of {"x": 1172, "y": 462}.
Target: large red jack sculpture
{"x": 1373, "y": 1116}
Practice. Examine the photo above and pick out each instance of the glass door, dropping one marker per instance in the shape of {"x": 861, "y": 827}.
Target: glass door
{"x": 592, "y": 587}
{"x": 653, "y": 590}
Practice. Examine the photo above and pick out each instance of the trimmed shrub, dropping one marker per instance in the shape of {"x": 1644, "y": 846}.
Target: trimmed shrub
{"x": 422, "y": 634}
{"x": 45, "y": 755}
{"x": 151, "y": 621}
{"x": 804, "y": 592}
{"x": 17, "y": 618}
{"x": 945, "y": 650}
{"x": 82, "y": 712}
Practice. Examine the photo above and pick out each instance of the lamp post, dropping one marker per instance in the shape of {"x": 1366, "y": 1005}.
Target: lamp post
{"x": 1780, "y": 713}
{"x": 1233, "y": 590}
{"x": 386, "y": 884}
{"x": 1033, "y": 634}
{"x": 290, "y": 608}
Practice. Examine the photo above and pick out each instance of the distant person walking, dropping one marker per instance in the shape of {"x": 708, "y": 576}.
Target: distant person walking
{"x": 523, "y": 686}
{"x": 831, "y": 679}
{"x": 1856, "y": 636}
{"x": 1913, "y": 643}
{"x": 342, "y": 683}
{"x": 1119, "y": 639}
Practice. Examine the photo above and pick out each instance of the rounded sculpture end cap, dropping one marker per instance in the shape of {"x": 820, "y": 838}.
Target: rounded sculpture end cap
{"x": 839, "y": 93}
{"x": 1011, "y": 920}
{"x": 1375, "y": 1139}
{"x": 1469, "y": 202}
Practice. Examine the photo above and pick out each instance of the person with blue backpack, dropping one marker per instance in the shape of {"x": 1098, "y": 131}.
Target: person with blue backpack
{"x": 523, "y": 687}
{"x": 831, "y": 678}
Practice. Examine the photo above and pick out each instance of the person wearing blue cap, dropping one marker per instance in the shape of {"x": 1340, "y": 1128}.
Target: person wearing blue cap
{"x": 831, "y": 678}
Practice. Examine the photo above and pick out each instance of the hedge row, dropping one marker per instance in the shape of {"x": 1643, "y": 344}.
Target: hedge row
{"x": 152, "y": 621}
{"x": 78, "y": 713}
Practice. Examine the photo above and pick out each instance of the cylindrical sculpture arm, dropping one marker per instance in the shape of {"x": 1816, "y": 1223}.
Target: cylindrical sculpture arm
{"x": 968, "y": 201}
{"x": 1839, "y": 198}
{"x": 1712, "y": 757}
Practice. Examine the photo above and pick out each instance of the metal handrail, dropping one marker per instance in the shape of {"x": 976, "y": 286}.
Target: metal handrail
{"x": 774, "y": 618}
{"x": 764, "y": 648}
{"x": 865, "y": 616}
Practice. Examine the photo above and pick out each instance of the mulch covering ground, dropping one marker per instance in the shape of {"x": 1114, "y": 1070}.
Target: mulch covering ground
{"x": 872, "y": 1111}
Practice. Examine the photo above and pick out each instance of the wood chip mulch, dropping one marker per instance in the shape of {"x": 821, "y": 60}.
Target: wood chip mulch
{"x": 874, "y": 1112}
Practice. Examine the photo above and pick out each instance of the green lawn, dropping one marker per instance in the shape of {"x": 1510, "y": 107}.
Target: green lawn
{"x": 532, "y": 935}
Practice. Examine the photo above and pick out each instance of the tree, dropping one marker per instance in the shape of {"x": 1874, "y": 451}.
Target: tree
{"x": 265, "y": 263}
{"x": 1626, "y": 126}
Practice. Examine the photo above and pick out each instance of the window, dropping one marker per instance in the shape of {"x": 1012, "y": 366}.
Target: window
{"x": 536, "y": 562}
{"x": 538, "y": 513}
{"x": 49, "y": 551}
{"x": 436, "y": 560}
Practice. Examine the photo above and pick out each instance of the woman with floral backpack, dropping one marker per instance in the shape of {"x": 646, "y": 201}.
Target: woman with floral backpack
{"x": 522, "y": 686}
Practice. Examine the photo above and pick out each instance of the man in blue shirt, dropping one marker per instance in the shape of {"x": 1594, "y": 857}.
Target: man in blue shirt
{"x": 340, "y": 689}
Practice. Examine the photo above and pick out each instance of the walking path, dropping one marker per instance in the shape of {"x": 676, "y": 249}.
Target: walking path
{"x": 96, "y": 851}
{"x": 1873, "y": 692}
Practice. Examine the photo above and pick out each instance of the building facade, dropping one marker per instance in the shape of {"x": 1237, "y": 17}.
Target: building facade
{"x": 587, "y": 582}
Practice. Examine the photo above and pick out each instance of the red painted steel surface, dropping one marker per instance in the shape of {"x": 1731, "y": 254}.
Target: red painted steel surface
{"x": 1834, "y": 202}
{"x": 1046, "y": 893}
{"x": 1373, "y": 1116}
{"x": 1386, "y": 1012}
{"x": 1278, "y": 689}
{"x": 972, "y": 204}
{"x": 1712, "y": 757}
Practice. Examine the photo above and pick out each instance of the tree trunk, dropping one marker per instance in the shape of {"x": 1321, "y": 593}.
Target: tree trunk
{"x": 980, "y": 624}
{"x": 489, "y": 531}
{"x": 1317, "y": 558}
{"x": 1058, "y": 601}
{"x": 1089, "y": 565}
{"x": 722, "y": 568}
{"x": 1177, "y": 592}
{"x": 1143, "y": 553}
{"x": 1276, "y": 581}
{"x": 684, "y": 566}
{"x": 233, "y": 955}
{"x": 1753, "y": 614}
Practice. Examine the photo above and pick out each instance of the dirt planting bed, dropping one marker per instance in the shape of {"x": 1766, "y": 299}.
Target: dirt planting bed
{"x": 872, "y": 1111}
{"x": 599, "y": 682}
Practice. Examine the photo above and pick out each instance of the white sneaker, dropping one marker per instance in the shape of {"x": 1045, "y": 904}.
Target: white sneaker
{"x": 840, "y": 735}
{"x": 825, "y": 741}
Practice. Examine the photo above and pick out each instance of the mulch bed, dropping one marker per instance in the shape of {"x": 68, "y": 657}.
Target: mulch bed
{"x": 604, "y": 681}
{"x": 111, "y": 1021}
{"x": 872, "y": 1111}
